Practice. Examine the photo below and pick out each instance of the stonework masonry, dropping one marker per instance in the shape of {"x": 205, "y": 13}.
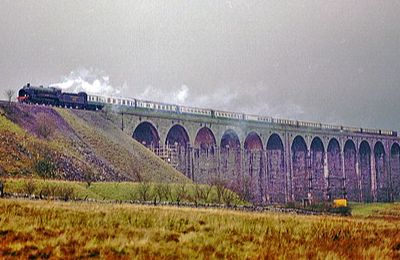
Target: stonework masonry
{"x": 269, "y": 162}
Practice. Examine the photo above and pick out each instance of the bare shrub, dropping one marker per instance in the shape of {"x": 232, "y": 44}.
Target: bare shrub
{"x": 228, "y": 197}
{"x": 48, "y": 191}
{"x": 44, "y": 127}
{"x": 65, "y": 192}
{"x": 29, "y": 187}
{"x": 224, "y": 195}
{"x": 220, "y": 188}
{"x": 198, "y": 193}
{"x": 144, "y": 191}
{"x": 163, "y": 191}
{"x": 202, "y": 192}
{"x": 9, "y": 94}
{"x": 180, "y": 193}
{"x": 158, "y": 191}
{"x": 206, "y": 192}
{"x": 52, "y": 191}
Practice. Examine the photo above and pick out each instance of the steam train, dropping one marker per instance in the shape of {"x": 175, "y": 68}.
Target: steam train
{"x": 55, "y": 97}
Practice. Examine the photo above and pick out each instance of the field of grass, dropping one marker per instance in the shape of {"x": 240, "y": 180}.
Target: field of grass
{"x": 388, "y": 211}
{"x": 123, "y": 191}
{"x": 57, "y": 229}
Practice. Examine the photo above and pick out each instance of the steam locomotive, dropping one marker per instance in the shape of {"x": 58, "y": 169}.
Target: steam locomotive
{"x": 55, "y": 97}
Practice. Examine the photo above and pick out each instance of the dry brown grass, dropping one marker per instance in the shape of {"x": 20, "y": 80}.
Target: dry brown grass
{"x": 118, "y": 149}
{"x": 71, "y": 230}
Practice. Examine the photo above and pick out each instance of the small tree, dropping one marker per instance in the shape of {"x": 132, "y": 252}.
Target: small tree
{"x": 228, "y": 197}
{"x": 180, "y": 193}
{"x": 45, "y": 168}
{"x": 163, "y": 191}
{"x": 89, "y": 178}
{"x": 219, "y": 185}
{"x": 9, "y": 94}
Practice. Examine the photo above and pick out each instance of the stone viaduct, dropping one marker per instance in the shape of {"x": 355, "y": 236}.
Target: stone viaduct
{"x": 273, "y": 162}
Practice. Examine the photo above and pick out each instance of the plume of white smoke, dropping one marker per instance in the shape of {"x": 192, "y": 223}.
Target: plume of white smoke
{"x": 178, "y": 96}
{"x": 90, "y": 81}
{"x": 98, "y": 83}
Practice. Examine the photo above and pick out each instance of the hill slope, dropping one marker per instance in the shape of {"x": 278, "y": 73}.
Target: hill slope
{"x": 80, "y": 145}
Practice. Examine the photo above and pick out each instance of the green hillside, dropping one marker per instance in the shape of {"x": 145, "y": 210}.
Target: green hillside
{"x": 74, "y": 145}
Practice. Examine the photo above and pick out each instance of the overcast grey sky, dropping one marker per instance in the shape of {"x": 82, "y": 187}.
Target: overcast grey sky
{"x": 330, "y": 61}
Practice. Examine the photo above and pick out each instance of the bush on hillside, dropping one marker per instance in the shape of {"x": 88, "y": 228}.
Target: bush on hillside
{"x": 45, "y": 168}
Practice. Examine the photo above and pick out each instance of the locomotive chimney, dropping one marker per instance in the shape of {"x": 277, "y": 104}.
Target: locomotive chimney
{"x": 28, "y": 84}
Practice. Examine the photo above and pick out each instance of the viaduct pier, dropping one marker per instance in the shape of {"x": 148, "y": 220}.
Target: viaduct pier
{"x": 269, "y": 160}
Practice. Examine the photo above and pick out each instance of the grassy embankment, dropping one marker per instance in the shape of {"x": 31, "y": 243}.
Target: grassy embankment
{"x": 124, "y": 191}
{"x": 18, "y": 150}
{"x": 119, "y": 149}
{"x": 55, "y": 229}
{"x": 78, "y": 143}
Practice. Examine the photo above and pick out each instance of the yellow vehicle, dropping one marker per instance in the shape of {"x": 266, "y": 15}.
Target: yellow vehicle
{"x": 337, "y": 203}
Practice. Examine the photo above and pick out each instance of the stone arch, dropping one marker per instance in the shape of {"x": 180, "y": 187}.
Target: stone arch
{"x": 254, "y": 176}
{"x": 395, "y": 170}
{"x": 232, "y": 131}
{"x": 276, "y": 174}
{"x": 146, "y": 134}
{"x": 350, "y": 171}
{"x": 317, "y": 183}
{"x": 365, "y": 171}
{"x": 177, "y": 135}
{"x": 177, "y": 144}
{"x": 205, "y": 161}
{"x": 275, "y": 142}
{"x": 300, "y": 177}
{"x": 382, "y": 180}
{"x": 230, "y": 158}
{"x": 230, "y": 140}
{"x": 335, "y": 173}
{"x": 253, "y": 142}
{"x": 205, "y": 140}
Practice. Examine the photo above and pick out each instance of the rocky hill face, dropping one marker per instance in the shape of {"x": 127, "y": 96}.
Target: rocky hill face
{"x": 73, "y": 145}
